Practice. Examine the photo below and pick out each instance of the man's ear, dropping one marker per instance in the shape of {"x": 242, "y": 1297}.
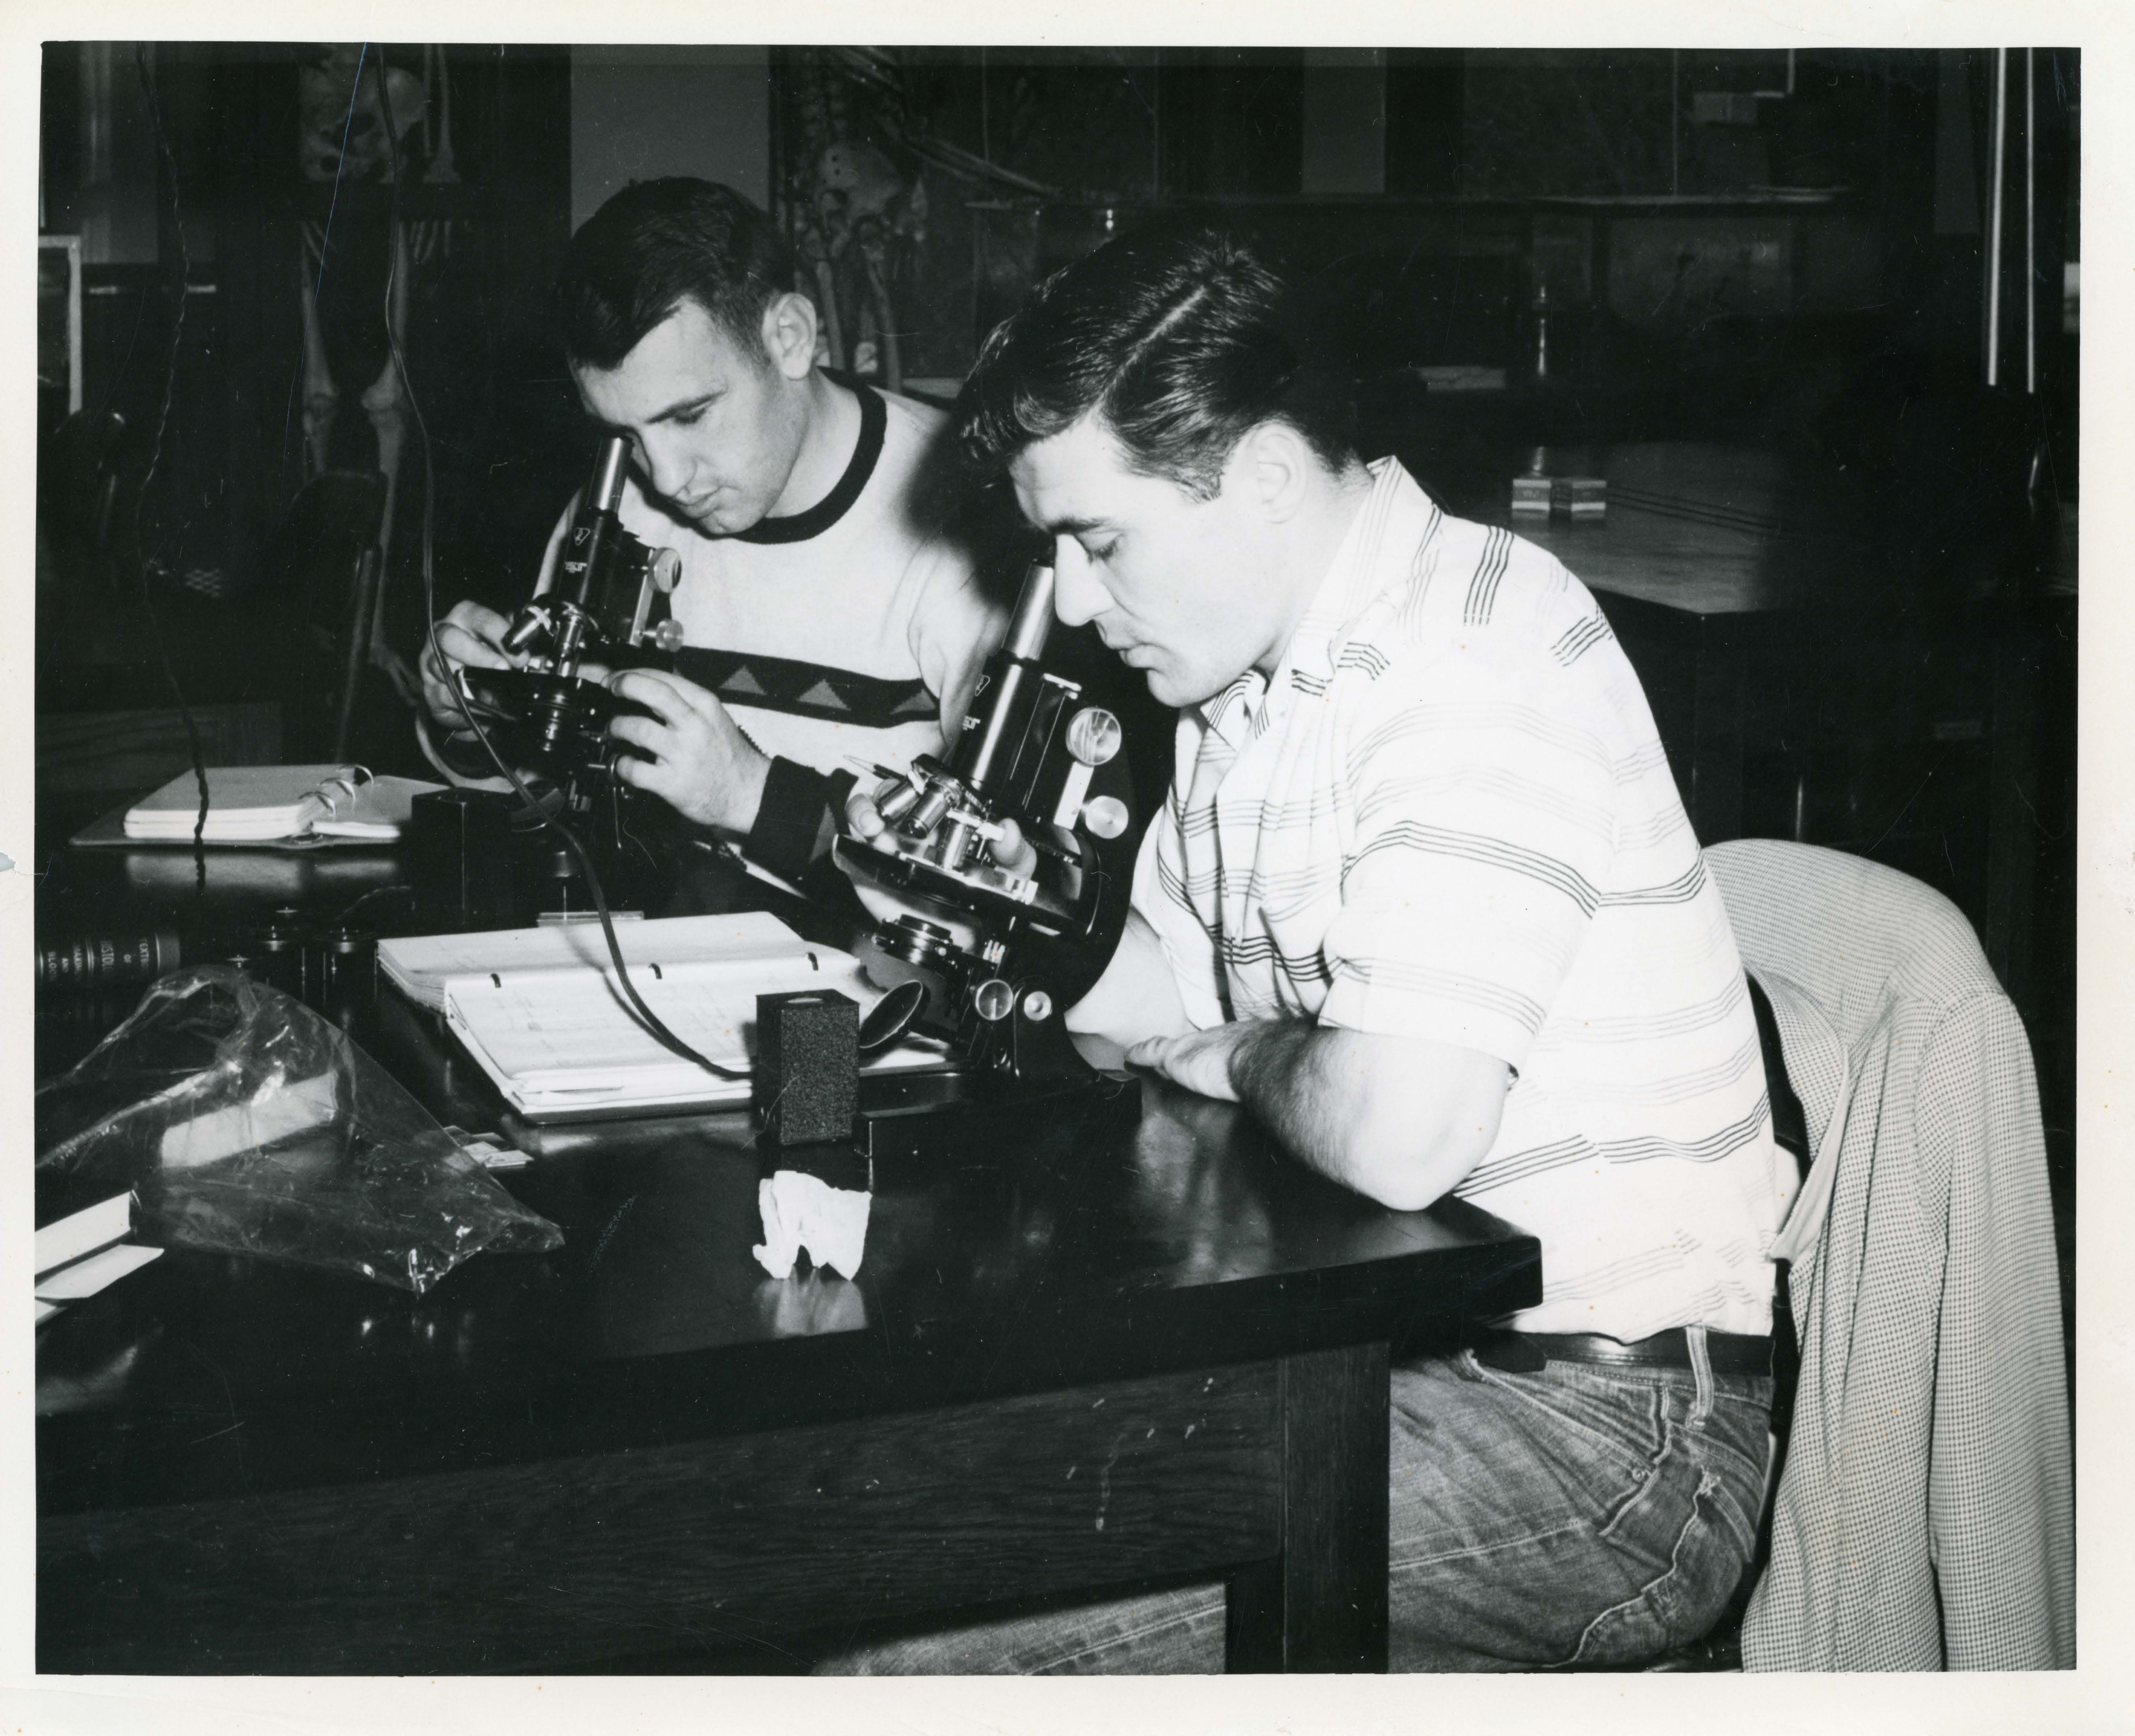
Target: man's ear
{"x": 789, "y": 334}
{"x": 1277, "y": 463}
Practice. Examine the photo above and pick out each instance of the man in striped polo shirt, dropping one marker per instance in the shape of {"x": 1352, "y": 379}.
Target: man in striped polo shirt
{"x": 1425, "y": 899}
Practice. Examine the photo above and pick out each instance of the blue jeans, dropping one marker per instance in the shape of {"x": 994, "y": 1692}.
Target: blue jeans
{"x": 1577, "y": 1516}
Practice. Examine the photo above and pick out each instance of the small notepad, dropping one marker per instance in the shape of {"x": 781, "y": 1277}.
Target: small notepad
{"x": 268, "y": 803}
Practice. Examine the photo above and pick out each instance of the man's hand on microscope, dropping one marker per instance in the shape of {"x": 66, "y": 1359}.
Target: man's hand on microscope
{"x": 472, "y": 636}
{"x": 690, "y": 751}
{"x": 1009, "y": 850}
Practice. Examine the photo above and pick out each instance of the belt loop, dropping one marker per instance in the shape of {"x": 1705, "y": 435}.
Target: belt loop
{"x": 1700, "y": 1366}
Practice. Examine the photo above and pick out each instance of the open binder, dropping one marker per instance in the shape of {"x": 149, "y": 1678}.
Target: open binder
{"x": 287, "y": 807}
{"x": 540, "y": 1011}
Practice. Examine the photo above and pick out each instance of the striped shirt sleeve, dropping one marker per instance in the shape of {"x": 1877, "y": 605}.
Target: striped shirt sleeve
{"x": 1482, "y": 823}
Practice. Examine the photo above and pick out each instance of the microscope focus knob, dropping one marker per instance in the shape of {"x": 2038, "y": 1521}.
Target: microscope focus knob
{"x": 668, "y": 635}
{"x": 1094, "y": 736}
{"x": 666, "y": 567}
{"x": 532, "y": 623}
{"x": 1104, "y": 815}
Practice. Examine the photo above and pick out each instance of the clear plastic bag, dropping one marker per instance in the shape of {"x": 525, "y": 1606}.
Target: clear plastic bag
{"x": 244, "y": 1123}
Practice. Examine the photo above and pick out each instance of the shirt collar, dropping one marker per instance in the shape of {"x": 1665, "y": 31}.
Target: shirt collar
{"x": 1352, "y": 580}
{"x": 812, "y": 521}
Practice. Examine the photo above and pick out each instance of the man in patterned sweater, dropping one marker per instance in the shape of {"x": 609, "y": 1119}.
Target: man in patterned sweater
{"x": 1425, "y": 900}
{"x": 830, "y": 591}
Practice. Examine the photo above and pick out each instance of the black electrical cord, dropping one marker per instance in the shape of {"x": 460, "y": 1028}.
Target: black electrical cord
{"x": 155, "y": 457}
{"x": 347, "y": 911}
{"x": 652, "y": 1020}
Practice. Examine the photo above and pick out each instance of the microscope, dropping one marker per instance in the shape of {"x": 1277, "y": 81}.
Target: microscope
{"x": 489, "y": 861}
{"x": 984, "y": 955}
{"x": 1001, "y": 953}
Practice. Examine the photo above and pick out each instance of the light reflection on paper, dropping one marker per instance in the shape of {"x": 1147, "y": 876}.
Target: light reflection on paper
{"x": 810, "y": 1307}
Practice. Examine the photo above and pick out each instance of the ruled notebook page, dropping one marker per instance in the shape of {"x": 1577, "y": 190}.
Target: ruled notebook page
{"x": 555, "y": 1038}
{"x": 553, "y": 1030}
{"x": 420, "y": 965}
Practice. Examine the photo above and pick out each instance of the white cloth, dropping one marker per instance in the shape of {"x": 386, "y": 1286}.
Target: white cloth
{"x": 805, "y": 1212}
{"x": 1448, "y": 816}
{"x": 1925, "y": 1517}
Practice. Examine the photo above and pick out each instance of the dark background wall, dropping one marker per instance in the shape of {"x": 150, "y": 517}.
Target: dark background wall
{"x": 1433, "y": 190}
{"x": 637, "y": 113}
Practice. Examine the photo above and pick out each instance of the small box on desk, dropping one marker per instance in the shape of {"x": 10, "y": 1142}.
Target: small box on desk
{"x": 1530, "y": 494}
{"x": 807, "y": 1077}
{"x": 1578, "y": 497}
{"x": 837, "y": 1163}
{"x": 1581, "y": 496}
{"x": 460, "y": 854}
{"x": 1550, "y": 485}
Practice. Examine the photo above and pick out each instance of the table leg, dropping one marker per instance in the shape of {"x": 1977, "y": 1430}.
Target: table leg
{"x": 1714, "y": 795}
{"x": 1321, "y": 1605}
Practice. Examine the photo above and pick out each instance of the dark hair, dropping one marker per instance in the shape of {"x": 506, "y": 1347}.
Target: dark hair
{"x": 1182, "y": 339}
{"x": 657, "y": 243}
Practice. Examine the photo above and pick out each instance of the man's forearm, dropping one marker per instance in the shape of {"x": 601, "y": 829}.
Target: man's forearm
{"x": 1293, "y": 1080}
{"x": 1400, "y": 1120}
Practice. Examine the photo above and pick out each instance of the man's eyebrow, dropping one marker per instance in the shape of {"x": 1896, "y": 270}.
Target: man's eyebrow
{"x": 681, "y": 409}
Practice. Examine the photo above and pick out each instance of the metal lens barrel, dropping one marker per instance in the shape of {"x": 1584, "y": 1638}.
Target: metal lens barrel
{"x": 90, "y": 963}
{"x": 992, "y": 747}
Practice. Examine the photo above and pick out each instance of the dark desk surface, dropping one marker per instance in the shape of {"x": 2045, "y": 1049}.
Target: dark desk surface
{"x": 1714, "y": 530}
{"x": 641, "y": 1440}
{"x": 1710, "y": 529}
{"x": 1009, "y": 1254}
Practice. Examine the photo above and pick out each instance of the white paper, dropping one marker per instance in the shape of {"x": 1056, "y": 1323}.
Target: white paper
{"x": 804, "y": 1211}
{"x": 267, "y": 804}
{"x": 541, "y": 1012}
{"x": 85, "y": 1231}
{"x": 379, "y": 808}
{"x": 553, "y": 1030}
{"x": 245, "y": 803}
{"x": 223, "y": 1132}
{"x": 86, "y": 1277}
{"x": 421, "y": 965}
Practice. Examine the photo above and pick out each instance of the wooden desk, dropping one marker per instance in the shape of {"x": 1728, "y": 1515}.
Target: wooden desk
{"x": 1084, "y": 1351}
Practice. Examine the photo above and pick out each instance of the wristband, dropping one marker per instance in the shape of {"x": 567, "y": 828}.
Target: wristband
{"x": 797, "y": 818}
